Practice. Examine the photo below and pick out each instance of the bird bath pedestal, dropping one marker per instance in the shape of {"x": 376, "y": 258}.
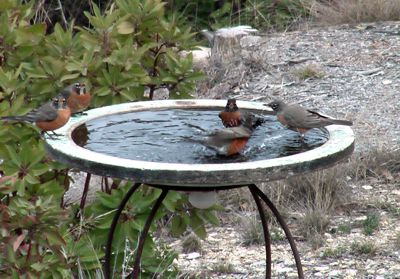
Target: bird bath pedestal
{"x": 195, "y": 176}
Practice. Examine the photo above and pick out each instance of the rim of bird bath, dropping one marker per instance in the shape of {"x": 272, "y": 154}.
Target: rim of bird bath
{"x": 339, "y": 145}
{"x": 194, "y": 177}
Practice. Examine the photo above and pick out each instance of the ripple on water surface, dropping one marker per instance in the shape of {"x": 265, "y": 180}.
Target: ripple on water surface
{"x": 162, "y": 136}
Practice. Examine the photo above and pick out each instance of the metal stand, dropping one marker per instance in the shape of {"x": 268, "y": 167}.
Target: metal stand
{"x": 257, "y": 192}
{"x": 258, "y": 196}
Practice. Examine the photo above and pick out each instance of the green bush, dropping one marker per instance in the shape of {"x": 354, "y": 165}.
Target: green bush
{"x": 129, "y": 47}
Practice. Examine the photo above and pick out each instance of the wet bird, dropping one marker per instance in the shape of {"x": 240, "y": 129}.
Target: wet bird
{"x": 300, "y": 119}
{"x": 78, "y": 98}
{"x": 231, "y": 116}
{"x": 48, "y": 117}
{"x": 232, "y": 140}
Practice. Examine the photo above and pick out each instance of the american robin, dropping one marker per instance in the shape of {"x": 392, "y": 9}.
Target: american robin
{"x": 48, "y": 117}
{"x": 232, "y": 140}
{"x": 231, "y": 116}
{"x": 299, "y": 119}
{"x": 78, "y": 99}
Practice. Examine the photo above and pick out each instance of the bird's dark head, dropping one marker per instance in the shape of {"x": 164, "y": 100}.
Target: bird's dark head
{"x": 79, "y": 88}
{"x": 231, "y": 105}
{"x": 276, "y": 105}
{"x": 59, "y": 102}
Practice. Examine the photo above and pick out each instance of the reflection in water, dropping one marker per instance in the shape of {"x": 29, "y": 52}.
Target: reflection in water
{"x": 162, "y": 136}
{"x": 80, "y": 135}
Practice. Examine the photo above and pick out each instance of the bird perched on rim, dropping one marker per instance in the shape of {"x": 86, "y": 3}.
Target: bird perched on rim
{"x": 301, "y": 120}
{"x": 230, "y": 141}
{"x": 78, "y": 98}
{"x": 231, "y": 116}
{"x": 48, "y": 117}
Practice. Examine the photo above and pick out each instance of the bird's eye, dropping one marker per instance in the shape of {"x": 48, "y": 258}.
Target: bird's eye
{"x": 77, "y": 85}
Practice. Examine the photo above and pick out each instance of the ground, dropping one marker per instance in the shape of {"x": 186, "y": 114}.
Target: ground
{"x": 345, "y": 71}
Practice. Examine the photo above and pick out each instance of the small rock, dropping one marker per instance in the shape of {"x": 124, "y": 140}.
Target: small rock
{"x": 322, "y": 268}
{"x": 334, "y": 273}
{"x": 193, "y": 256}
{"x": 396, "y": 192}
{"x": 285, "y": 270}
{"x": 367, "y": 187}
{"x": 351, "y": 272}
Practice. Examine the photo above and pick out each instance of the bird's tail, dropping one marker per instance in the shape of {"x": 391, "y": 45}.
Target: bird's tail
{"x": 14, "y": 118}
{"x": 341, "y": 122}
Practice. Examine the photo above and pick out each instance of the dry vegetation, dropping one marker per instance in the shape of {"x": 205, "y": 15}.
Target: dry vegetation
{"x": 355, "y": 11}
{"x": 313, "y": 198}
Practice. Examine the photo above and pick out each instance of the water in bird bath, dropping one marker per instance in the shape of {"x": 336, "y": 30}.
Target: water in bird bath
{"x": 163, "y": 136}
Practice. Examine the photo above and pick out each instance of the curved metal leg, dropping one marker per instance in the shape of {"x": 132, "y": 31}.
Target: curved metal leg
{"x": 268, "y": 272}
{"x": 136, "y": 266}
{"x": 258, "y": 192}
{"x": 107, "y": 256}
{"x": 85, "y": 191}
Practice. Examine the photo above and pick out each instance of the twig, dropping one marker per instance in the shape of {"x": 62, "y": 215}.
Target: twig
{"x": 370, "y": 72}
{"x": 62, "y": 14}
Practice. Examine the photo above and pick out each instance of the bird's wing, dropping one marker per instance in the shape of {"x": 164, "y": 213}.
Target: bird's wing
{"x": 299, "y": 117}
{"x": 232, "y": 133}
{"x": 45, "y": 112}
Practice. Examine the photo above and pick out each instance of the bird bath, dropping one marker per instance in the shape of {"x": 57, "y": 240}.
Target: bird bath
{"x": 147, "y": 142}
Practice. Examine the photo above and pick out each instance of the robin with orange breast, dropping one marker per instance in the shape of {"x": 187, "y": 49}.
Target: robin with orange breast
{"x": 48, "y": 117}
{"x": 232, "y": 140}
{"x": 231, "y": 116}
{"x": 301, "y": 120}
{"x": 78, "y": 98}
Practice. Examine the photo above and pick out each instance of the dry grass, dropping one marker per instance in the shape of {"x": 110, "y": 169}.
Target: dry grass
{"x": 223, "y": 267}
{"x": 363, "y": 248}
{"x": 312, "y": 198}
{"x": 313, "y": 225}
{"x": 251, "y": 232}
{"x": 356, "y": 11}
{"x": 191, "y": 243}
{"x": 309, "y": 71}
{"x": 397, "y": 240}
{"x": 336, "y": 252}
{"x": 379, "y": 163}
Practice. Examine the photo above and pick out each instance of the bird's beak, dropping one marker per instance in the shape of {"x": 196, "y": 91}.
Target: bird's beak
{"x": 82, "y": 90}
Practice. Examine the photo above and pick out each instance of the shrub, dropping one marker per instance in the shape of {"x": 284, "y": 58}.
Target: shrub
{"x": 371, "y": 223}
{"x": 123, "y": 51}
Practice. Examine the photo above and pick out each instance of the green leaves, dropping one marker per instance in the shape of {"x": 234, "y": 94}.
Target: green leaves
{"x": 125, "y": 28}
{"x": 124, "y": 50}
{"x": 30, "y": 35}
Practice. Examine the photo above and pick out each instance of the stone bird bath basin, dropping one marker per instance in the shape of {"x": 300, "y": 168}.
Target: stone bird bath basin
{"x": 202, "y": 175}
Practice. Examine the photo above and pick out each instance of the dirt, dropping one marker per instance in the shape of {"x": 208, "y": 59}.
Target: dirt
{"x": 356, "y": 76}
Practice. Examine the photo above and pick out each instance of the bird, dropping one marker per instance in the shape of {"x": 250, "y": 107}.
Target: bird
{"x": 78, "y": 98}
{"x": 300, "y": 119}
{"x": 48, "y": 117}
{"x": 231, "y": 116}
{"x": 230, "y": 141}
